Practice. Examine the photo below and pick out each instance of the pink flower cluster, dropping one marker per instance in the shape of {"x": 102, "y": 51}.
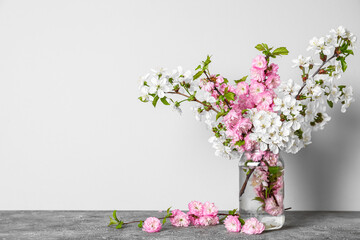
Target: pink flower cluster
{"x": 203, "y": 214}
{"x": 179, "y": 218}
{"x": 251, "y": 226}
{"x": 216, "y": 86}
{"x": 152, "y": 224}
{"x": 258, "y": 94}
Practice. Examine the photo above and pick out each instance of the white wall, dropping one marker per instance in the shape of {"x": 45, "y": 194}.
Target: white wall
{"x": 74, "y": 136}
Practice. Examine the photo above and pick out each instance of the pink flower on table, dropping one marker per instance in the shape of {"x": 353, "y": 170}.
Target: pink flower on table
{"x": 256, "y": 88}
{"x": 195, "y": 208}
{"x": 257, "y": 75}
{"x": 209, "y": 220}
{"x": 151, "y": 224}
{"x": 176, "y": 212}
{"x": 209, "y": 209}
{"x": 272, "y": 208}
{"x": 232, "y": 223}
{"x": 194, "y": 220}
{"x": 259, "y": 62}
{"x": 179, "y": 219}
{"x": 253, "y": 226}
{"x": 242, "y": 88}
{"x": 273, "y": 81}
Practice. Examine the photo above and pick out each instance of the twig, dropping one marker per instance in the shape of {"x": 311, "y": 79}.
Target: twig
{"x": 242, "y": 190}
{"x": 195, "y": 99}
{"x": 226, "y": 101}
{"x": 316, "y": 72}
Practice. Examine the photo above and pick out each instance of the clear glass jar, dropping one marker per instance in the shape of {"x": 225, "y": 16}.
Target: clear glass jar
{"x": 261, "y": 192}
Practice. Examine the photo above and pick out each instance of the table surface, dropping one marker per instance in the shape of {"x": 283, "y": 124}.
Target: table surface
{"x": 93, "y": 225}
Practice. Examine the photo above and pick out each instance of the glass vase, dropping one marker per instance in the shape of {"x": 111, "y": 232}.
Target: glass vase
{"x": 261, "y": 192}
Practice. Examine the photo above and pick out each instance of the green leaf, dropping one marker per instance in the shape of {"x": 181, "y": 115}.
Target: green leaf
{"x": 114, "y": 215}
{"x": 143, "y": 100}
{"x": 343, "y": 64}
{"x": 168, "y": 210}
{"x": 119, "y": 225}
{"x": 242, "y": 221}
{"x": 259, "y": 199}
{"x": 197, "y": 75}
{"x": 220, "y": 114}
{"x": 230, "y": 96}
{"x": 243, "y": 79}
{"x": 240, "y": 143}
{"x": 163, "y": 100}
{"x": 154, "y": 102}
{"x": 198, "y": 67}
{"x": 164, "y": 220}
{"x": 112, "y": 222}
{"x": 140, "y": 225}
{"x": 330, "y": 103}
{"x": 274, "y": 169}
{"x": 244, "y": 111}
{"x": 341, "y": 87}
{"x": 260, "y": 47}
{"x": 265, "y": 46}
{"x": 280, "y": 51}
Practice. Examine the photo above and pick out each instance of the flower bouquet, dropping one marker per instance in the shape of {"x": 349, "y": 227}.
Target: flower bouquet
{"x": 253, "y": 120}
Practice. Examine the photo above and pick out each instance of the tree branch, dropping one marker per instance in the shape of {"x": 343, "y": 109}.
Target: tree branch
{"x": 196, "y": 100}
{"x": 316, "y": 72}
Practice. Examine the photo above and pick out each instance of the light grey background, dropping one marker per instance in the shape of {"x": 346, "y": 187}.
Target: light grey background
{"x": 74, "y": 136}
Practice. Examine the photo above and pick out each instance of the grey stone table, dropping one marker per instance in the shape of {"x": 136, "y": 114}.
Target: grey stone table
{"x": 93, "y": 225}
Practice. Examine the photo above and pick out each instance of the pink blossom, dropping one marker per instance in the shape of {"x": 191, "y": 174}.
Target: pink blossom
{"x": 259, "y": 177}
{"x": 194, "y": 220}
{"x": 209, "y": 209}
{"x": 209, "y": 220}
{"x": 206, "y": 85}
{"x": 175, "y": 212}
{"x": 195, "y": 208}
{"x": 179, "y": 219}
{"x": 271, "y": 158}
{"x": 256, "y": 88}
{"x": 273, "y": 68}
{"x": 249, "y": 144}
{"x": 273, "y": 81}
{"x": 219, "y": 81}
{"x": 259, "y": 62}
{"x": 151, "y": 224}
{"x": 242, "y": 88}
{"x": 279, "y": 185}
{"x": 263, "y": 101}
{"x": 253, "y": 226}
{"x": 257, "y": 75}
{"x": 272, "y": 208}
{"x": 232, "y": 223}
{"x": 231, "y": 119}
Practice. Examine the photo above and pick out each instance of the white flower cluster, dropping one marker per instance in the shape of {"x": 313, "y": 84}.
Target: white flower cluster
{"x": 159, "y": 82}
{"x": 222, "y": 150}
{"x": 268, "y": 130}
{"x": 309, "y": 113}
